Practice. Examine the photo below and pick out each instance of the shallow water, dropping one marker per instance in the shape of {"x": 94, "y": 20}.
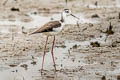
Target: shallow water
{"x": 38, "y": 21}
{"x": 68, "y": 65}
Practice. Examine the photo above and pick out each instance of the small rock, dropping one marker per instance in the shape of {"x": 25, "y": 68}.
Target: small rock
{"x": 24, "y": 66}
{"x": 95, "y": 16}
{"x": 12, "y": 65}
{"x": 61, "y": 65}
{"x": 75, "y": 46}
{"x": 34, "y": 62}
{"x": 95, "y": 44}
{"x": 24, "y": 49}
{"x": 103, "y": 78}
{"x": 14, "y": 9}
{"x": 118, "y": 77}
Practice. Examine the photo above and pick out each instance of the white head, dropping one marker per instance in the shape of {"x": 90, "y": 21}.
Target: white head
{"x": 66, "y": 13}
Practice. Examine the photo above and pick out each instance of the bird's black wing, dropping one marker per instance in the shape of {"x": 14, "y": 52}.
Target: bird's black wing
{"x": 48, "y": 27}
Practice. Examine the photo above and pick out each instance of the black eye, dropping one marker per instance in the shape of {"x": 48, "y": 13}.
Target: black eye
{"x": 67, "y": 11}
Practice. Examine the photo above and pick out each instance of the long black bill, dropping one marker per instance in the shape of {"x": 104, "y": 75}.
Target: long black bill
{"x": 74, "y": 16}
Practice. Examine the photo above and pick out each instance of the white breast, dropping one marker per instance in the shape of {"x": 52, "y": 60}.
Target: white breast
{"x": 58, "y": 29}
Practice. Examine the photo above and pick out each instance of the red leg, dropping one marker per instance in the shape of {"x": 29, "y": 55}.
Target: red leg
{"x": 44, "y": 54}
{"x": 53, "y": 54}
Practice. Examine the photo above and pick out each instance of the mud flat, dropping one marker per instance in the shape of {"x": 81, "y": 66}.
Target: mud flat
{"x": 86, "y": 49}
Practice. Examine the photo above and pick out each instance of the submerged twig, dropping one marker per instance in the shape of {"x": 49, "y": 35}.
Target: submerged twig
{"x": 96, "y": 3}
{"x": 119, "y": 15}
{"x": 109, "y": 31}
{"x": 78, "y": 24}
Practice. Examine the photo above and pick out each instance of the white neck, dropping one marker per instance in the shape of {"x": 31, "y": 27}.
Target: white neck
{"x": 63, "y": 17}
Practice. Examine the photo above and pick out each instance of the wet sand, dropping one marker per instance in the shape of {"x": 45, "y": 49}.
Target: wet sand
{"x": 76, "y": 55}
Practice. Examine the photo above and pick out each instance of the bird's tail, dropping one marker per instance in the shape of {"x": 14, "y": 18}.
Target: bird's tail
{"x": 34, "y": 32}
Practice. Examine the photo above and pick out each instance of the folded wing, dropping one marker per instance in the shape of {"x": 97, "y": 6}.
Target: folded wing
{"x": 48, "y": 27}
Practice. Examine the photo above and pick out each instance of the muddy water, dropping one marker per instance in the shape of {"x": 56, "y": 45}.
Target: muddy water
{"x": 118, "y": 3}
{"x": 68, "y": 65}
{"x": 37, "y": 21}
{"x": 75, "y": 60}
